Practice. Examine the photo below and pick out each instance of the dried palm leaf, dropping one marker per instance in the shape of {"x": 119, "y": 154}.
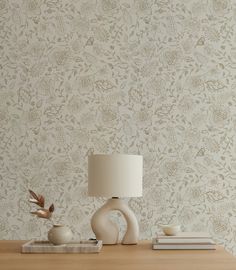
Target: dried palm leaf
{"x": 51, "y": 208}
{"x": 37, "y": 199}
{"x": 42, "y": 213}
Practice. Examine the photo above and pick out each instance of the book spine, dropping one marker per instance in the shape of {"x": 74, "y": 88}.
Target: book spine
{"x": 197, "y": 247}
{"x": 182, "y": 237}
{"x": 186, "y": 241}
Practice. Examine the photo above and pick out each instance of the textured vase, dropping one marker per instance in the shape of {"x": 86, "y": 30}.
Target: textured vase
{"x": 59, "y": 235}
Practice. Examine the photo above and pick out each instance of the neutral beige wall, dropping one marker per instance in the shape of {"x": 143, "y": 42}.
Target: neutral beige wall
{"x": 151, "y": 77}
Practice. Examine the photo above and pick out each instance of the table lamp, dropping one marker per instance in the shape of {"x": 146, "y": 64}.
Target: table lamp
{"x": 115, "y": 176}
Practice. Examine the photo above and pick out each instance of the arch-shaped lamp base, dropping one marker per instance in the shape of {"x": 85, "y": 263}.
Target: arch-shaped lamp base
{"x": 108, "y": 231}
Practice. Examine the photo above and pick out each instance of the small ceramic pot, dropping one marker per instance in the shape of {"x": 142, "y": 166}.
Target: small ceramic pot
{"x": 59, "y": 235}
{"x": 171, "y": 229}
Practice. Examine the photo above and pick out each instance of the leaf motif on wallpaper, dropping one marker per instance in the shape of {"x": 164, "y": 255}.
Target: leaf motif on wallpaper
{"x": 156, "y": 85}
{"x": 126, "y": 5}
{"x": 214, "y": 85}
{"x": 60, "y": 136}
{"x": 171, "y": 136}
{"x": 211, "y": 34}
{"x": 201, "y": 152}
{"x": 60, "y": 24}
{"x": 128, "y": 128}
{"x": 163, "y": 110}
{"x": 101, "y": 145}
{"x": 189, "y": 170}
{"x": 201, "y": 58}
{"x": 133, "y": 77}
{"x": 52, "y": 110}
{"x": 90, "y": 41}
{"x": 135, "y": 94}
{"x": 149, "y": 104}
{"x": 212, "y": 145}
{"x": 39, "y": 103}
{"x": 90, "y": 58}
{"x": 219, "y": 115}
{"x": 17, "y": 17}
{"x": 44, "y": 86}
{"x": 86, "y": 82}
{"x": 200, "y": 168}
{"x": 136, "y": 205}
{"x": 219, "y": 225}
{"x": 24, "y": 95}
{"x": 104, "y": 85}
{"x": 201, "y": 41}
{"x": 100, "y": 34}
{"x": 126, "y": 16}
{"x": 149, "y": 69}
{"x": 214, "y": 196}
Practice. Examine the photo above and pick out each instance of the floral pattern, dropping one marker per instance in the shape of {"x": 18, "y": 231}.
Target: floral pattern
{"x": 147, "y": 77}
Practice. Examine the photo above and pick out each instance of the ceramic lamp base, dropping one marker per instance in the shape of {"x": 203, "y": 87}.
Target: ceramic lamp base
{"x": 108, "y": 231}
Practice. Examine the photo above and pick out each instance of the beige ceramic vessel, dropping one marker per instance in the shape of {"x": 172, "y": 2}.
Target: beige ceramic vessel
{"x": 171, "y": 229}
{"x": 59, "y": 235}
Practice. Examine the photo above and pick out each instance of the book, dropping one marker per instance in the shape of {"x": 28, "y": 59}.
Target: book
{"x": 184, "y": 240}
{"x": 192, "y": 246}
{"x": 157, "y": 245}
{"x": 183, "y": 235}
{"x": 186, "y": 237}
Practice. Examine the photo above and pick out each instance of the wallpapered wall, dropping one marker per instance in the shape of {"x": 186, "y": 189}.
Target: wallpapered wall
{"x": 150, "y": 77}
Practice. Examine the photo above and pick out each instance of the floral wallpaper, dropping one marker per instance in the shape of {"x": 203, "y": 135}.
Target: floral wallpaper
{"x": 150, "y": 77}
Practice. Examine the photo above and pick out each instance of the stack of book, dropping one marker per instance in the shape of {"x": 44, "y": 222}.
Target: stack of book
{"x": 184, "y": 240}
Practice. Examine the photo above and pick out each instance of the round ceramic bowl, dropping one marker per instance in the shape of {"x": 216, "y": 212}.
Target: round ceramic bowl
{"x": 171, "y": 229}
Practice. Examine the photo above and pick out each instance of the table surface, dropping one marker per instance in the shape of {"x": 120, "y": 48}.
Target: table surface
{"x": 130, "y": 257}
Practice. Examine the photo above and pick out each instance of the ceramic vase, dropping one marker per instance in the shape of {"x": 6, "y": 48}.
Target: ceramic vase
{"x": 59, "y": 234}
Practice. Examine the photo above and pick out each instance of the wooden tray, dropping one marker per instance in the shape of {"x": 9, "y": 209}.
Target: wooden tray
{"x": 87, "y": 246}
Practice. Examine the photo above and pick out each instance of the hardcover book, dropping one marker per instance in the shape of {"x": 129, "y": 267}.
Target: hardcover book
{"x": 184, "y": 240}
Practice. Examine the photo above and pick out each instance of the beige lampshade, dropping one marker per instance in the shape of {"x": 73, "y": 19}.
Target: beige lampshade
{"x": 115, "y": 175}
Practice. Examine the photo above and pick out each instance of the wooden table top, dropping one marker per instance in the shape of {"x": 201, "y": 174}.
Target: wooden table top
{"x": 128, "y": 257}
